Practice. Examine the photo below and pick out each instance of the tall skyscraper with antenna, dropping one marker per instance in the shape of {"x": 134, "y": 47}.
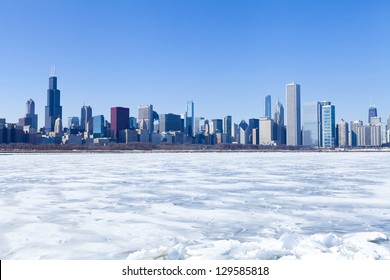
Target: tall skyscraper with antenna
{"x": 53, "y": 110}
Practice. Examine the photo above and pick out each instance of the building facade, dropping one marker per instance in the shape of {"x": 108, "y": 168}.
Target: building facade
{"x": 227, "y": 129}
{"x": 170, "y": 122}
{"x": 342, "y": 134}
{"x": 266, "y": 131}
{"x": 119, "y": 120}
{"x": 216, "y": 126}
{"x": 86, "y": 118}
{"x": 30, "y": 113}
{"x": 98, "y": 126}
{"x": 279, "y": 129}
{"x": 254, "y": 128}
{"x": 267, "y": 107}
{"x": 328, "y": 125}
{"x": 293, "y": 114}
{"x": 311, "y": 124}
{"x": 243, "y": 133}
{"x": 189, "y": 119}
{"x": 145, "y": 118}
{"x": 73, "y": 122}
{"x": 372, "y": 112}
{"x": 53, "y": 109}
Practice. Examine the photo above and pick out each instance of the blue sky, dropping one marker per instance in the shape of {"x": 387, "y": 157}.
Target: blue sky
{"x": 224, "y": 55}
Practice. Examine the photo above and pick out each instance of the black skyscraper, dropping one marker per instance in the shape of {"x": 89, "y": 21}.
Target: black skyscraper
{"x": 53, "y": 110}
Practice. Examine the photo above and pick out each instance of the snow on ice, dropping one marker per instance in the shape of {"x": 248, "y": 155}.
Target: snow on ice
{"x": 195, "y": 206}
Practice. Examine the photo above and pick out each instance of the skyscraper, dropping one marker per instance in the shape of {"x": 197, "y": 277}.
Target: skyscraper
{"x": 30, "y": 113}
{"x": 145, "y": 118}
{"x": 227, "y": 128}
{"x": 53, "y": 110}
{"x": 86, "y": 117}
{"x": 216, "y": 126}
{"x": 190, "y": 119}
{"x": 170, "y": 122}
{"x": 267, "y": 107}
{"x": 311, "y": 124}
{"x": 73, "y": 122}
{"x": 98, "y": 126}
{"x": 266, "y": 131}
{"x": 133, "y": 123}
{"x": 328, "y": 125}
{"x": 199, "y": 125}
{"x": 279, "y": 130}
{"x": 253, "y": 128}
{"x": 293, "y": 114}
{"x": 372, "y": 112}
{"x": 354, "y": 137}
{"x": 244, "y": 132}
{"x": 342, "y": 133}
{"x": 119, "y": 120}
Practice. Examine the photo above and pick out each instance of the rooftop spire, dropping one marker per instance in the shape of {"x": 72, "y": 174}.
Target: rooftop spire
{"x": 53, "y": 71}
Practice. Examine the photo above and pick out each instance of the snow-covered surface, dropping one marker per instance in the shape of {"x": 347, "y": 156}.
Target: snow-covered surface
{"x": 195, "y": 206}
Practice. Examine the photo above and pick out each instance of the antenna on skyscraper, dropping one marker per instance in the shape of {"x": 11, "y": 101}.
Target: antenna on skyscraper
{"x": 53, "y": 71}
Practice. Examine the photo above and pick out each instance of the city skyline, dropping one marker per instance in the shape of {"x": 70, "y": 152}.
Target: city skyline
{"x": 219, "y": 54}
{"x": 86, "y": 110}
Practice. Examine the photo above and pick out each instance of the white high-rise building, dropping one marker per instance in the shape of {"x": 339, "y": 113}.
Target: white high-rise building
{"x": 145, "y": 118}
{"x": 58, "y": 126}
{"x": 293, "y": 115}
{"x": 266, "y": 131}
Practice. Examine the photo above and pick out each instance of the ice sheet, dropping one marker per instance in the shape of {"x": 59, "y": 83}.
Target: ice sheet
{"x": 195, "y": 206}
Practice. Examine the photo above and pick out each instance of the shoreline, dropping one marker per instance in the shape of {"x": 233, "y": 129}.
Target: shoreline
{"x": 188, "y": 150}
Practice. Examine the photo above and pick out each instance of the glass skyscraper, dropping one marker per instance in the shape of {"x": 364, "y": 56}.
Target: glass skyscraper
{"x": 216, "y": 126}
{"x": 98, "y": 126}
{"x": 227, "y": 128}
{"x": 73, "y": 122}
{"x": 372, "y": 112}
{"x": 190, "y": 119}
{"x": 328, "y": 118}
{"x": 279, "y": 131}
{"x": 170, "y": 122}
{"x": 86, "y": 117}
{"x": 293, "y": 115}
{"x": 267, "y": 107}
{"x": 311, "y": 119}
{"x": 53, "y": 110}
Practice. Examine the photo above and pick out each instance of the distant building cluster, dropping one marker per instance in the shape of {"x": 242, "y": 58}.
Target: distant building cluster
{"x": 312, "y": 124}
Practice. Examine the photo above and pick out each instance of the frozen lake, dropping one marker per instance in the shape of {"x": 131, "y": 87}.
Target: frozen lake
{"x": 195, "y": 206}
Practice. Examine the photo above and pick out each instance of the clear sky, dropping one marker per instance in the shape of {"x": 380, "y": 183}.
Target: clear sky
{"x": 225, "y": 55}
